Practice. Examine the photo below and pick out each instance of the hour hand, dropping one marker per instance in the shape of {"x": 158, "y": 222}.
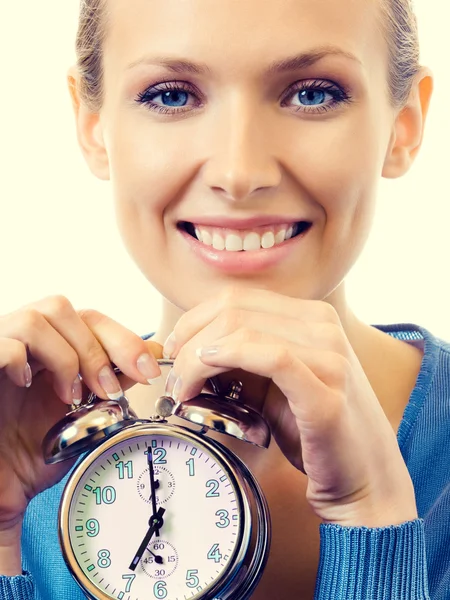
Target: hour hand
{"x": 151, "y": 472}
{"x": 155, "y": 522}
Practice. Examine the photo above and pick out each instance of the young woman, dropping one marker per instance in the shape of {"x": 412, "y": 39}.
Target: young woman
{"x": 244, "y": 142}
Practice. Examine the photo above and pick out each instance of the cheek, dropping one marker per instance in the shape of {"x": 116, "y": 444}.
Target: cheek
{"x": 149, "y": 167}
{"x": 338, "y": 163}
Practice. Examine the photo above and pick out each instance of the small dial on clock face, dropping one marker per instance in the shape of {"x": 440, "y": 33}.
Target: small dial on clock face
{"x": 160, "y": 559}
{"x": 164, "y": 484}
{"x": 202, "y": 522}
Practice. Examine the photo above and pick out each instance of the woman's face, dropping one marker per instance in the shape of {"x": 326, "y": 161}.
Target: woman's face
{"x": 239, "y": 141}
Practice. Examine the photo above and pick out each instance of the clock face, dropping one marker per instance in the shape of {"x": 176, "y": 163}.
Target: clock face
{"x": 111, "y": 510}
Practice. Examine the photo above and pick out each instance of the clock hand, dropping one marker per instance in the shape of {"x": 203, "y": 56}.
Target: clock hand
{"x": 155, "y": 521}
{"x": 156, "y": 487}
{"x": 152, "y": 482}
{"x": 158, "y": 559}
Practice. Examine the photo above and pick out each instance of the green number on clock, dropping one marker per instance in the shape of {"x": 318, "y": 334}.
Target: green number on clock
{"x": 214, "y": 553}
{"x": 213, "y": 486}
{"x": 190, "y": 464}
{"x": 128, "y": 466}
{"x": 107, "y": 495}
{"x": 104, "y": 560}
{"x": 159, "y": 589}
{"x": 129, "y": 582}
{"x": 224, "y": 520}
{"x": 93, "y": 527}
{"x": 192, "y": 580}
{"x": 159, "y": 458}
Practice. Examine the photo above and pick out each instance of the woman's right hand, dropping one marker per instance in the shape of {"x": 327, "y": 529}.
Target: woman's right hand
{"x": 58, "y": 343}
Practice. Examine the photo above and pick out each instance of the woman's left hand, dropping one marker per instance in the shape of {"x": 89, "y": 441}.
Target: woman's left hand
{"x": 327, "y": 419}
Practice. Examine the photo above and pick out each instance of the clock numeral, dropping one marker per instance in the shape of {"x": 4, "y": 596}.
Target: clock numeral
{"x": 159, "y": 458}
{"x": 129, "y": 582}
{"x": 214, "y": 553}
{"x": 224, "y": 520}
{"x": 104, "y": 560}
{"x": 107, "y": 495}
{"x": 213, "y": 484}
{"x": 128, "y": 467}
{"x": 192, "y": 580}
{"x": 159, "y": 589}
{"x": 93, "y": 527}
{"x": 190, "y": 464}
{"x": 158, "y": 546}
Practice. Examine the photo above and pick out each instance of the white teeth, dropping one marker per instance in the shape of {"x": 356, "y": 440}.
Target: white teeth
{"x": 268, "y": 240}
{"x": 218, "y": 242}
{"x": 252, "y": 241}
{"x": 280, "y": 237}
{"x": 221, "y": 239}
{"x": 234, "y": 243}
{"x": 205, "y": 237}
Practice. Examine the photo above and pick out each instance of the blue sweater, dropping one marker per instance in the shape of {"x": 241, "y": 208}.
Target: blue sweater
{"x": 410, "y": 561}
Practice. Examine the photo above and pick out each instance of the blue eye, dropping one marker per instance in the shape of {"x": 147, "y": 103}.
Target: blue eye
{"x": 178, "y": 97}
{"x": 312, "y": 96}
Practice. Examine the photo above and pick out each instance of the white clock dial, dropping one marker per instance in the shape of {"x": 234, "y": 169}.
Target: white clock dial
{"x": 202, "y": 524}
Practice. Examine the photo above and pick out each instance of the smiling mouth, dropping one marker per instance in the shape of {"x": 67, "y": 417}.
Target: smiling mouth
{"x": 240, "y": 241}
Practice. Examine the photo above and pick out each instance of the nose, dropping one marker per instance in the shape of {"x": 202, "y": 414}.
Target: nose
{"x": 240, "y": 161}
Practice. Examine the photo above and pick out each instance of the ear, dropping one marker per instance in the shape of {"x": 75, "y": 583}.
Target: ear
{"x": 408, "y": 129}
{"x": 89, "y": 130}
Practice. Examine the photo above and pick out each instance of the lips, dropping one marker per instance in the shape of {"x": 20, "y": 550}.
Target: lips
{"x": 250, "y": 260}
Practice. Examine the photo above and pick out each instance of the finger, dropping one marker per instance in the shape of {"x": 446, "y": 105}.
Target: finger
{"x": 46, "y": 347}
{"x": 58, "y": 338}
{"x": 98, "y": 340}
{"x": 262, "y": 354}
{"x": 13, "y": 360}
{"x": 318, "y": 335}
{"x": 135, "y": 357}
{"x": 252, "y": 300}
{"x": 293, "y": 369}
{"x": 154, "y": 349}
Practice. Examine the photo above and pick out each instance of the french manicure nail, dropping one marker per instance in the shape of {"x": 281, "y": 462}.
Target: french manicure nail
{"x": 146, "y": 366}
{"x": 177, "y": 389}
{"x": 77, "y": 391}
{"x": 28, "y": 375}
{"x": 207, "y": 351}
{"x": 110, "y": 383}
{"x": 169, "y": 346}
{"x": 170, "y": 382}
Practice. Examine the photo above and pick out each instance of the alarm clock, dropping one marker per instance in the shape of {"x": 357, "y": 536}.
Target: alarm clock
{"x": 160, "y": 510}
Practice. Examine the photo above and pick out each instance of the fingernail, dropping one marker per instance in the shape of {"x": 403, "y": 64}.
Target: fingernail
{"x": 169, "y": 346}
{"x": 207, "y": 351}
{"x": 146, "y": 366}
{"x": 170, "y": 382}
{"x": 177, "y": 389}
{"x": 28, "y": 375}
{"x": 77, "y": 392}
{"x": 110, "y": 383}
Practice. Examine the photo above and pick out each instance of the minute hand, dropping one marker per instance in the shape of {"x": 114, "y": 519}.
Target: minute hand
{"x": 155, "y": 523}
{"x": 152, "y": 481}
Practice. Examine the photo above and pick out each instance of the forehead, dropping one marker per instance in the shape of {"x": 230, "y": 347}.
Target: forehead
{"x": 241, "y": 34}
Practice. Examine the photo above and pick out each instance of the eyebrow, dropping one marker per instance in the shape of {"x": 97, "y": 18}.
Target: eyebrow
{"x": 292, "y": 63}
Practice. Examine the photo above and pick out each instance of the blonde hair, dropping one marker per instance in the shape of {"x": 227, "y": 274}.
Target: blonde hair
{"x": 398, "y": 23}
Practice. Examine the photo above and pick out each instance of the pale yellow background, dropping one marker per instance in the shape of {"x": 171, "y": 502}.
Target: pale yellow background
{"x": 57, "y": 225}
